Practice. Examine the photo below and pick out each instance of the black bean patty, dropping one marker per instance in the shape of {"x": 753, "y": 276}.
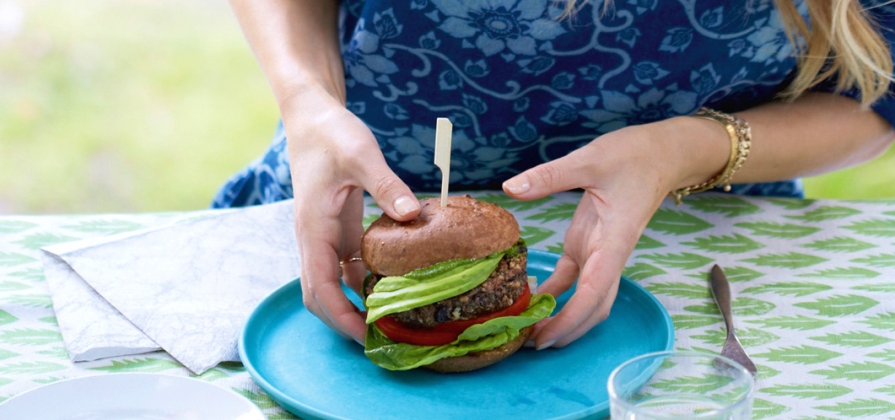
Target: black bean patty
{"x": 502, "y": 288}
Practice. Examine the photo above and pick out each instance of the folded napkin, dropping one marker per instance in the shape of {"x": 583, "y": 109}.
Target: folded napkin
{"x": 186, "y": 288}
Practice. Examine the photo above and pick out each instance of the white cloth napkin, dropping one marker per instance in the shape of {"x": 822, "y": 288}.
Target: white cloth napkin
{"x": 187, "y": 288}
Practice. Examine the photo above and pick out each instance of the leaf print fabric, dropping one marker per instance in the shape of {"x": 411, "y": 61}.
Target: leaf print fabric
{"x": 810, "y": 281}
{"x": 522, "y": 87}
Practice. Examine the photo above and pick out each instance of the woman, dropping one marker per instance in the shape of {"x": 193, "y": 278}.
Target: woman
{"x": 545, "y": 98}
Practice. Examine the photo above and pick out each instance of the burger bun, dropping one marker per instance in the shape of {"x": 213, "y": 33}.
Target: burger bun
{"x": 465, "y": 228}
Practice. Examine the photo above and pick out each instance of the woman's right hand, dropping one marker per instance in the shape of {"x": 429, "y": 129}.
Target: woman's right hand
{"x": 334, "y": 157}
{"x": 332, "y": 154}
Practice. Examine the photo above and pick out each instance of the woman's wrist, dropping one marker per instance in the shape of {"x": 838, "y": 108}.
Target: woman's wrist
{"x": 297, "y": 95}
{"x": 696, "y": 149}
{"x": 308, "y": 103}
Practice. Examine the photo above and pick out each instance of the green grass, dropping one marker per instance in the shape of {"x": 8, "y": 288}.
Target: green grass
{"x": 872, "y": 180}
{"x": 126, "y": 105}
{"x": 133, "y": 105}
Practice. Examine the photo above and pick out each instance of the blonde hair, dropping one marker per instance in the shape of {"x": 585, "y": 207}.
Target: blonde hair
{"x": 843, "y": 42}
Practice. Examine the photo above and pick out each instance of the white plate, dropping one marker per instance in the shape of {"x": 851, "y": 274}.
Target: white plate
{"x": 136, "y": 396}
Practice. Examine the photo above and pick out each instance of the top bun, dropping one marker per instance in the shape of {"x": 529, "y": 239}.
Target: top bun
{"x": 466, "y": 228}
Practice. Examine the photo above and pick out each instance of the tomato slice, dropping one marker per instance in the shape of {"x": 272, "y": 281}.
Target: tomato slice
{"x": 447, "y": 332}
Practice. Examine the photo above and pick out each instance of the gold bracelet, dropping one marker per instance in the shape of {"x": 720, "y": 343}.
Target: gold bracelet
{"x": 740, "y": 144}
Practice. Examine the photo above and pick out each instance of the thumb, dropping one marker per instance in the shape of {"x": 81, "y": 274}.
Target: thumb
{"x": 392, "y": 194}
{"x": 562, "y": 174}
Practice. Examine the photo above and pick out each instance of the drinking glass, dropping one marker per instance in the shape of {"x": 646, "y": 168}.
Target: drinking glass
{"x": 680, "y": 385}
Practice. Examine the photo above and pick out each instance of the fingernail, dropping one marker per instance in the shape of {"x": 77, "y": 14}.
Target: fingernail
{"x": 405, "y": 205}
{"x": 545, "y": 345}
{"x": 529, "y": 343}
{"x": 517, "y": 185}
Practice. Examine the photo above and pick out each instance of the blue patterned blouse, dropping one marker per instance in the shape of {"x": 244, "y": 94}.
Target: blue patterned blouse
{"x": 522, "y": 88}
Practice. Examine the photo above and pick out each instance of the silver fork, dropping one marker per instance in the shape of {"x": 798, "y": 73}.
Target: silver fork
{"x": 732, "y": 348}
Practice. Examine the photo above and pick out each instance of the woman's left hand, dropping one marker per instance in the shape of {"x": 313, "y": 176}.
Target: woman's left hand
{"x": 625, "y": 176}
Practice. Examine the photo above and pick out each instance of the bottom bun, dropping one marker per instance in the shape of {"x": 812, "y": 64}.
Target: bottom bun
{"x": 480, "y": 359}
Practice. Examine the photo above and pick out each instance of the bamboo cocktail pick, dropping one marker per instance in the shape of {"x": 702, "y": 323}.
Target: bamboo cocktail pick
{"x": 443, "y": 129}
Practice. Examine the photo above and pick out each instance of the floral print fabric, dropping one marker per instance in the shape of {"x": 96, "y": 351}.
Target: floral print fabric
{"x": 523, "y": 87}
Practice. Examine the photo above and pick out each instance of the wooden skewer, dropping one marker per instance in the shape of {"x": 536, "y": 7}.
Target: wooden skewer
{"x": 443, "y": 129}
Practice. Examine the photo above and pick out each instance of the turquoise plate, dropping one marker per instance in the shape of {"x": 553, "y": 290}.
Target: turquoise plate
{"x": 315, "y": 373}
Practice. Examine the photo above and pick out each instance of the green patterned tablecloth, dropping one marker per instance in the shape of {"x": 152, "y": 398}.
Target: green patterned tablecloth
{"x": 812, "y": 283}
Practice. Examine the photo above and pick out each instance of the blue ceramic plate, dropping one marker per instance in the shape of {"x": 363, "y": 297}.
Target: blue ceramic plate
{"x": 314, "y": 373}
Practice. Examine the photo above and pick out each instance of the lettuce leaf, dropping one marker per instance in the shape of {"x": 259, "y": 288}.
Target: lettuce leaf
{"x": 428, "y": 285}
{"x": 486, "y": 336}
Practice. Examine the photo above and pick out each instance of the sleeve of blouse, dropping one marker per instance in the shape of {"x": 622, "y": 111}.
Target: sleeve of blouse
{"x": 884, "y": 15}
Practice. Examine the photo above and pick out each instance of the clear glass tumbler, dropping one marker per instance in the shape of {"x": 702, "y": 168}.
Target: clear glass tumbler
{"x": 680, "y": 385}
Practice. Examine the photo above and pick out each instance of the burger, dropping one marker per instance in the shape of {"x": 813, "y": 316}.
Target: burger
{"x": 448, "y": 290}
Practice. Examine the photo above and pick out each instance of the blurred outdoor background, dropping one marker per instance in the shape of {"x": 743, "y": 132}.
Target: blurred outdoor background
{"x": 149, "y": 105}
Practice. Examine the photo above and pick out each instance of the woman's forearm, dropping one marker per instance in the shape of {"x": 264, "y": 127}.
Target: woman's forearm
{"x": 817, "y": 133}
{"x": 296, "y": 43}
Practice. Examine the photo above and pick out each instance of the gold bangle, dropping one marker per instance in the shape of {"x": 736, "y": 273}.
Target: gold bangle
{"x": 740, "y": 144}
